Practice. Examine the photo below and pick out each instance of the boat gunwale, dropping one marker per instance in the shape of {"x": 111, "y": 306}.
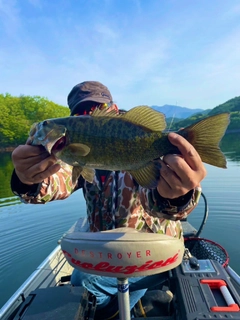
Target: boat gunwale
{"x": 23, "y": 291}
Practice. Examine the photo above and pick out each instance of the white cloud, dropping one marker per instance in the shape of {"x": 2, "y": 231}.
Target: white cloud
{"x": 9, "y": 17}
{"x": 106, "y": 32}
{"x": 36, "y": 3}
{"x": 234, "y": 11}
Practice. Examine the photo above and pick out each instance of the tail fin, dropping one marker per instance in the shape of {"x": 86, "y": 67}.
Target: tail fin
{"x": 206, "y": 135}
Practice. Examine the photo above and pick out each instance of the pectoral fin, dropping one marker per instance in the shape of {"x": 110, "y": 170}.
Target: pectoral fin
{"x": 86, "y": 173}
{"x": 148, "y": 176}
{"x": 76, "y": 172}
{"x": 79, "y": 149}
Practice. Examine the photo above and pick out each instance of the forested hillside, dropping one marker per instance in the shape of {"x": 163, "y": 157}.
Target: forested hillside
{"x": 17, "y": 114}
{"x": 232, "y": 106}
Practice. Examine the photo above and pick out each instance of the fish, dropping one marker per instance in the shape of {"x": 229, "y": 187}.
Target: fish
{"x": 133, "y": 141}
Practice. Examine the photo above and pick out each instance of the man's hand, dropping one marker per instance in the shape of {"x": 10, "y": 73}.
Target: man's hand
{"x": 33, "y": 164}
{"x": 180, "y": 173}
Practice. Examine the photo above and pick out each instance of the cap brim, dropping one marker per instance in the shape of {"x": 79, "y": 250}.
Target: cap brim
{"x": 98, "y": 99}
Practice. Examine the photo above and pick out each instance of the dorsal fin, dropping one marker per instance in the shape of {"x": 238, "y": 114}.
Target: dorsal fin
{"x": 142, "y": 116}
{"x": 104, "y": 113}
{"x": 146, "y": 117}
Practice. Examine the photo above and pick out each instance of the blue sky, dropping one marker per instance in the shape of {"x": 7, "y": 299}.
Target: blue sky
{"x": 151, "y": 52}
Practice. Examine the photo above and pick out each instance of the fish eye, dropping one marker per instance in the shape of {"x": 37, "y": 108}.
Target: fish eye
{"x": 45, "y": 122}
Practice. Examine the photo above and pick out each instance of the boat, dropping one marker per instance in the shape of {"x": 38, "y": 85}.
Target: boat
{"x": 203, "y": 284}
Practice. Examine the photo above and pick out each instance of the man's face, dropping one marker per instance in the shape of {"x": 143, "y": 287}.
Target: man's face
{"x": 88, "y": 108}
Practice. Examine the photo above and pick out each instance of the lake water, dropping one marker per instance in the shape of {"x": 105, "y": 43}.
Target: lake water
{"x": 28, "y": 233}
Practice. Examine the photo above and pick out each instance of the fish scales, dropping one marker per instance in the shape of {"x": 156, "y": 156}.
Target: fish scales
{"x": 131, "y": 142}
{"x": 114, "y": 137}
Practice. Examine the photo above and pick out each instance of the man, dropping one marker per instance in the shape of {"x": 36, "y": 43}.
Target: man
{"x": 114, "y": 199}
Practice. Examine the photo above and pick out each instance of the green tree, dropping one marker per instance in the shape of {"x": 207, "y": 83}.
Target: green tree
{"x": 17, "y": 114}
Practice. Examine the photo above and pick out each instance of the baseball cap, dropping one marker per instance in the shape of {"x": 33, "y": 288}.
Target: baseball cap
{"x": 88, "y": 91}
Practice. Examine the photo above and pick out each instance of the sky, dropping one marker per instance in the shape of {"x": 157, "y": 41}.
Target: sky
{"x": 147, "y": 52}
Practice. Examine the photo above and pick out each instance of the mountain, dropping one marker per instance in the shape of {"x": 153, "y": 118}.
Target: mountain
{"x": 231, "y": 106}
{"x": 172, "y": 111}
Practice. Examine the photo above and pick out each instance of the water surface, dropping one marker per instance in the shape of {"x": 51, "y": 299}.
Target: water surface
{"x": 28, "y": 233}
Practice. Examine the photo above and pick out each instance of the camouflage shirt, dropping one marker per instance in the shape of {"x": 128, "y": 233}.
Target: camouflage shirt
{"x": 118, "y": 201}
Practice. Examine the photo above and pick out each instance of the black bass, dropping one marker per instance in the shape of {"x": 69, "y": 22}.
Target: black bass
{"x": 129, "y": 142}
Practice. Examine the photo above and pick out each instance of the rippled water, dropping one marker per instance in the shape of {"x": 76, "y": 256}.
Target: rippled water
{"x": 28, "y": 233}
{"x": 222, "y": 189}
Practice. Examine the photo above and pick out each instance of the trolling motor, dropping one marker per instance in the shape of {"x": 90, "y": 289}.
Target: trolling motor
{"x": 122, "y": 253}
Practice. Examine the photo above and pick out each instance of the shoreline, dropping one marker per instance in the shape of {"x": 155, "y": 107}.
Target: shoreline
{"x": 10, "y": 149}
{"x": 7, "y": 149}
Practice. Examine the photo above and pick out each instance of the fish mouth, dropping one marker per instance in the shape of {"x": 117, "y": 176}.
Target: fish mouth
{"x": 59, "y": 145}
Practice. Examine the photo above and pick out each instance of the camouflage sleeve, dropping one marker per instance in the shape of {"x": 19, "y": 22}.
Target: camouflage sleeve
{"x": 171, "y": 209}
{"x": 57, "y": 187}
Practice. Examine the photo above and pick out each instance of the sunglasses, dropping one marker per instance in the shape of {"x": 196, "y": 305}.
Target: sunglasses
{"x": 88, "y": 110}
